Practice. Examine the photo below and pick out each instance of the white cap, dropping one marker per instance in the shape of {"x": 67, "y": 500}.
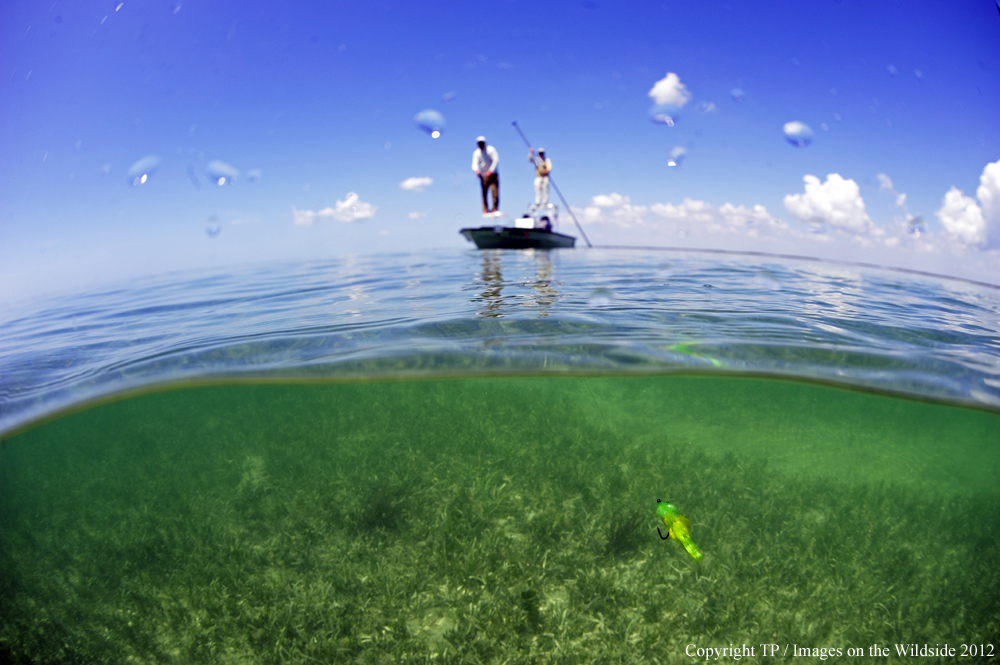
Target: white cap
{"x": 480, "y": 139}
{"x": 541, "y": 150}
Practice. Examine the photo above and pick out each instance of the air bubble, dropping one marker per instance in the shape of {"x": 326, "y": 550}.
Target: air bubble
{"x": 212, "y": 227}
{"x": 665, "y": 114}
{"x": 193, "y": 177}
{"x": 430, "y": 121}
{"x": 601, "y": 297}
{"x": 222, "y": 173}
{"x": 737, "y": 94}
{"x": 140, "y": 172}
{"x": 765, "y": 281}
{"x": 254, "y": 175}
{"x": 677, "y": 154}
{"x": 798, "y": 133}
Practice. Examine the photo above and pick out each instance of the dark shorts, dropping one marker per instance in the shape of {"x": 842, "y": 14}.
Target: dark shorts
{"x": 491, "y": 183}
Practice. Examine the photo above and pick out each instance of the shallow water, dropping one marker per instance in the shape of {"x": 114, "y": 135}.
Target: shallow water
{"x": 604, "y": 311}
{"x": 457, "y": 458}
{"x": 496, "y": 519}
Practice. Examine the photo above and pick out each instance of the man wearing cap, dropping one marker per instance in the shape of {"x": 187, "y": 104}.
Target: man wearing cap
{"x": 484, "y": 163}
{"x": 543, "y": 166}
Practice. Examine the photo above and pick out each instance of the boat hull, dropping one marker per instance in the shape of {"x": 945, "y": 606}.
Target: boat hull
{"x": 506, "y": 237}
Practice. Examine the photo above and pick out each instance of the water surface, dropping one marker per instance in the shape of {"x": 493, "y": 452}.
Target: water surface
{"x": 603, "y": 311}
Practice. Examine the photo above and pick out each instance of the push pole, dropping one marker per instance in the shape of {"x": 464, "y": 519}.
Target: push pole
{"x": 555, "y": 187}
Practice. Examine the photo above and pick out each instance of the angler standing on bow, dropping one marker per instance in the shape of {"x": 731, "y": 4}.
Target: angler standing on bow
{"x": 484, "y": 162}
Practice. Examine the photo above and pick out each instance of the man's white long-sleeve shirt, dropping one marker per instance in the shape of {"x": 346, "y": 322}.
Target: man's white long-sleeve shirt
{"x": 485, "y": 162}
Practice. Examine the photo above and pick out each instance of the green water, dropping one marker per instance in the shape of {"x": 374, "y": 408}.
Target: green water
{"x": 496, "y": 520}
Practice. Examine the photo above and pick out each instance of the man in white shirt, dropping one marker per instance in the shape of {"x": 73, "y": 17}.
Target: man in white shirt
{"x": 484, "y": 163}
{"x": 543, "y": 166}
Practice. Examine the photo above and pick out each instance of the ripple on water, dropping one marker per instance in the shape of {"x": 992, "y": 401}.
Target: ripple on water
{"x": 477, "y": 312}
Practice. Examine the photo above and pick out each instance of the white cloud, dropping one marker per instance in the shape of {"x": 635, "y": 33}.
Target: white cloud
{"x": 670, "y": 90}
{"x": 727, "y": 217}
{"x": 885, "y": 185}
{"x": 613, "y": 219}
{"x": 613, "y": 208}
{"x": 417, "y": 215}
{"x": 351, "y": 209}
{"x": 989, "y": 200}
{"x": 972, "y": 223}
{"x": 416, "y": 184}
{"x": 836, "y": 202}
{"x": 962, "y": 218}
{"x": 303, "y": 217}
{"x": 690, "y": 216}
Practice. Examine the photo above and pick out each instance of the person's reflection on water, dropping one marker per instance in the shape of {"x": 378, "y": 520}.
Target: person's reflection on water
{"x": 491, "y": 298}
{"x": 491, "y": 301}
{"x": 545, "y": 294}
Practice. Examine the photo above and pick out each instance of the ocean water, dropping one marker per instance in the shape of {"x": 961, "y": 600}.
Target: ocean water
{"x": 456, "y": 457}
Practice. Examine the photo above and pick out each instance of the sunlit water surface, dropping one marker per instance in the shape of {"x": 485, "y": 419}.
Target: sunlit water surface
{"x": 485, "y": 312}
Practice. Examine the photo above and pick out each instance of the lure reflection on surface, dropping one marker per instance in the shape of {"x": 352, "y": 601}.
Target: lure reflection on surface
{"x": 678, "y": 528}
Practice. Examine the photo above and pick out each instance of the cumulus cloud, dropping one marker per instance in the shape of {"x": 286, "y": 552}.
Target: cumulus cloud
{"x": 905, "y": 242}
{"x": 614, "y": 208}
{"x": 962, "y": 218}
{"x": 970, "y": 222}
{"x": 836, "y": 202}
{"x": 689, "y": 216}
{"x": 670, "y": 90}
{"x": 416, "y": 184}
{"x": 351, "y": 209}
{"x": 727, "y": 217}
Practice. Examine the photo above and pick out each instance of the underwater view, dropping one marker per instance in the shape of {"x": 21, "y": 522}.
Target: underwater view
{"x": 497, "y": 520}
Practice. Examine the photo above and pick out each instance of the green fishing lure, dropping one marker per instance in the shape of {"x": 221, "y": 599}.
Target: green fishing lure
{"x": 678, "y": 528}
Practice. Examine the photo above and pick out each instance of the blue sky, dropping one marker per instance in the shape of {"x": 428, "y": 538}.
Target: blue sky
{"x": 319, "y": 98}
